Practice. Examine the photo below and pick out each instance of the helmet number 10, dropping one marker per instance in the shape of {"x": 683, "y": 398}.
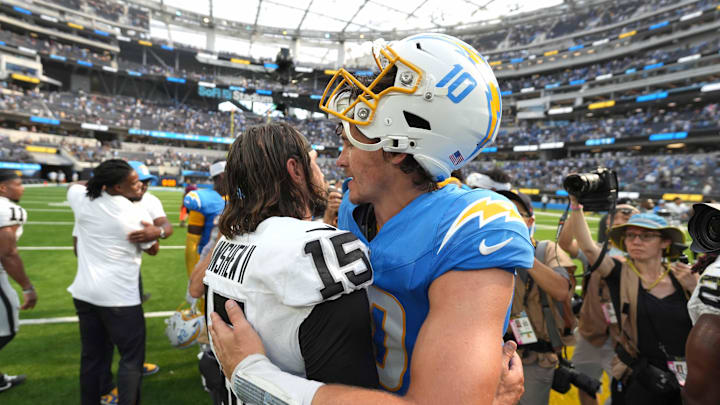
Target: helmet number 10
{"x": 453, "y": 94}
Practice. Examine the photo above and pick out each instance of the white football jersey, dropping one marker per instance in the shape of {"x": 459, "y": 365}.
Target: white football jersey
{"x": 706, "y": 297}
{"x": 279, "y": 272}
{"x": 12, "y": 214}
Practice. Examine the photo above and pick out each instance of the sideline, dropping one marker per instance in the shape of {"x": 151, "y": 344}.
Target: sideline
{"x": 66, "y": 223}
{"x": 42, "y": 248}
{"x": 74, "y": 319}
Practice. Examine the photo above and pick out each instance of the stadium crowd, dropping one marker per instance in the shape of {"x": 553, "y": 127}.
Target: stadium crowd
{"x": 110, "y": 10}
{"x": 128, "y": 112}
{"x": 599, "y": 15}
{"x": 632, "y": 124}
{"x": 648, "y": 173}
{"x": 617, "y": 66}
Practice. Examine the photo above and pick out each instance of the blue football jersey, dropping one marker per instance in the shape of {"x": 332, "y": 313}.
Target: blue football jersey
{"x": 448, "y": 229}
{"x": 210, "y": 204}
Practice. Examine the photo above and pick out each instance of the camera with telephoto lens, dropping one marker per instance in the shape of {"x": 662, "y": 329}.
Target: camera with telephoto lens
{"x": 596, "y": 190}
{"x": 565, "y": 374}
{"x": 704, "y": 228}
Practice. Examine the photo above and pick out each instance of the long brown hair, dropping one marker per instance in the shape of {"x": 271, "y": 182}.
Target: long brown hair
{"x": 258, "y": 183}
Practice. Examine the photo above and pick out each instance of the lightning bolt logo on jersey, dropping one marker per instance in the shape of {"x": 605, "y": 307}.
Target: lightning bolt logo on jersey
{"x": 448, "y": 229}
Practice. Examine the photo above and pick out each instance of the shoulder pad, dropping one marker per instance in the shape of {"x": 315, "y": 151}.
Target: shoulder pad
{"x": 480, "y": 211}
{"x": 11, "y": 214}
{"x": 192, "y": 201}
{"x": 306, "y": 263}
{"x": 333, "y": 262}
{"x": 482, "y": 229}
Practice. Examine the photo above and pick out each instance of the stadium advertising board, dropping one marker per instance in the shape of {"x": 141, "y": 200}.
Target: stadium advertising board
{"x": 227, "y": 94}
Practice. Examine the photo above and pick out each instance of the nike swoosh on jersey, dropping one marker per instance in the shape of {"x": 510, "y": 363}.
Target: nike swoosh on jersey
{"x": 488, "y": 250}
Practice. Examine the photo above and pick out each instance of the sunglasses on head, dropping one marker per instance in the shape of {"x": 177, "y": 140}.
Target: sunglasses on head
{"x": 627, "y": 211}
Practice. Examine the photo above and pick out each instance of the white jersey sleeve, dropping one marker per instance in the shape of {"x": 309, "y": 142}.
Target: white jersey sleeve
{"x": 11, "y": 214}
{"x": 706, "y": 297}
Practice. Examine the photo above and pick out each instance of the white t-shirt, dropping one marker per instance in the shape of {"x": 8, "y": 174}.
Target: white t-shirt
{"x": 706, "y": 297}
{"x": 153, "y": 206}
{"x": 108, "y": 264}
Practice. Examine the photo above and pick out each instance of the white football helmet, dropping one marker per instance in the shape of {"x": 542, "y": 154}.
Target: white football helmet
{"x": 443, "y": 108}
{"x": 184, "y": 327}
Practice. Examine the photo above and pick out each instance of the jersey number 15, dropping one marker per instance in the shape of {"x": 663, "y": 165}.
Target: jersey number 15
{"x": 332, "y": 287}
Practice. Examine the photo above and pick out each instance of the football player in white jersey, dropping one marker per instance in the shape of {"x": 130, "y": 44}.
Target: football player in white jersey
{"x": 12, "y": 218}
{"x": 300, "y": 283}
{"x": 702, "y": 348}
{"x": 443, "y": 259}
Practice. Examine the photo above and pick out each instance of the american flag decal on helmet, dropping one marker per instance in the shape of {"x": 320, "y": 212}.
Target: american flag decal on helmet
{"x": 456, "y": 158}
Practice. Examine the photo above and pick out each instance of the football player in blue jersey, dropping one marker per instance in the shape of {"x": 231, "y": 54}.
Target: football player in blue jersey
{"x": 444, "y": 259}
{"x": 203, "y": 206}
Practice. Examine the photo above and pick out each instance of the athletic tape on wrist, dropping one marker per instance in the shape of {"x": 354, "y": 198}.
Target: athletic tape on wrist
{"x": 256, "y": 380}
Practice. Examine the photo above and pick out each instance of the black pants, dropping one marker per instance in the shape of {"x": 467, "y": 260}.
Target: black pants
{"x": 214, "y": 378}
{"x": 101, "y": 328}
{"x": 5, "y": 340}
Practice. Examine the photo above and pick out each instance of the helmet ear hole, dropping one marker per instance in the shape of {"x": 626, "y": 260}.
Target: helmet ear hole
{"x": 415, "y": 121}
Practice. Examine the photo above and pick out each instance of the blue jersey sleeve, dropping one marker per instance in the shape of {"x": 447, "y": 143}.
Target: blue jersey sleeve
{"x": 482, "y": 230}
{"x": 192, "y": 201}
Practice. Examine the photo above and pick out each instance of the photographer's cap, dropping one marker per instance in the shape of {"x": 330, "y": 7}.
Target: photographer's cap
{"x": 648, "y": 220}
{"x": 142, "y": 170}
{"x": 521, "y": 198}
{"x": 217, "y": 168}
{"x": 479, "y": 180}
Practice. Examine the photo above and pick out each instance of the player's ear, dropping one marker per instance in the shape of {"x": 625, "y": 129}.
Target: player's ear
{"x": 295, "y": 171}
{"x": 394, "y": 158}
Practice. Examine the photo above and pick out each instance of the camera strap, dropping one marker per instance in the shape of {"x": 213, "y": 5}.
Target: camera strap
{"x": 552, "y": 328}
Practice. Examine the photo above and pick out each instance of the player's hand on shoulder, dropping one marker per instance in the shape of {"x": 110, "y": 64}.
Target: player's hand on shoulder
{"x": 233, "y": 345}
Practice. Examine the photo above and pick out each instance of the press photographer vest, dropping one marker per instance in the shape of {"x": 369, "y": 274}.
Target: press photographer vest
{"x": 528, "y": 298}
{"x": 627, "y": 317}
{"x": 592, "y": 324}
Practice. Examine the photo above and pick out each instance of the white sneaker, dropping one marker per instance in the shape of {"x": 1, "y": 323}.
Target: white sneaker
{"x": 9, "y": 381}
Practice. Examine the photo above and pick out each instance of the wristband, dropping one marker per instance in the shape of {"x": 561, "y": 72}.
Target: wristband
{"x": 162, "y": 232}
{"x": 256, "y": 380}
{"x": 576, "y": 207}
{"x": 29, "y": 290}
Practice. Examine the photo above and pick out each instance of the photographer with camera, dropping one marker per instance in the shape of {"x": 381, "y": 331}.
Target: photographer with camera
{"x": 703, "y": 344}
{"x": 596, "y": 333}
{"x": 649, "y": 296}
{"x": 537, "y": 323}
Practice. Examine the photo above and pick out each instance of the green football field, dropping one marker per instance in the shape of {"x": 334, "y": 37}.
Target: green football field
{"x": 49, "y": 352}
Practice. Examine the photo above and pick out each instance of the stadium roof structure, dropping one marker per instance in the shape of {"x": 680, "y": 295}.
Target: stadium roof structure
{"x": 326, "y": 23}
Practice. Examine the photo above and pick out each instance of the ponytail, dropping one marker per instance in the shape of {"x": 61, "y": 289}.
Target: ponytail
{"x": 107, "y": 174}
